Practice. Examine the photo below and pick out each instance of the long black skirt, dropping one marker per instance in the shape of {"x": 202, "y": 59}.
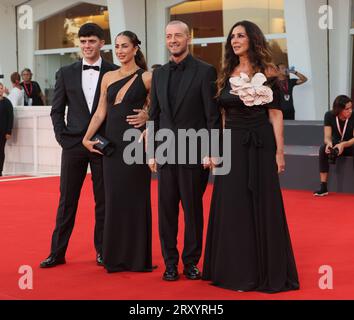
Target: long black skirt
{"x": 127, "y": 230}
{"x": 248, "y": 245}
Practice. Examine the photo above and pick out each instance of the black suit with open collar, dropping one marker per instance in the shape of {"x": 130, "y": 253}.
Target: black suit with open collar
{"x": 195, "y": 108}
{"x": 75, "y": 158}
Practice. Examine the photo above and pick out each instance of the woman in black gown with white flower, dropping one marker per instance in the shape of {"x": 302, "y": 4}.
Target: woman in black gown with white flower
{"x": 248, "y": 244}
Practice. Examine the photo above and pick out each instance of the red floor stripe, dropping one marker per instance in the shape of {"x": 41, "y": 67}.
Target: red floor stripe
{"x": 13, "y": 177}
{"x": 321, "y": 229}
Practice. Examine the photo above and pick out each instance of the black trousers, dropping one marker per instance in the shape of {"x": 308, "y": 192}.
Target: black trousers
{"x": 74, "y": 164}
{"x": 179, "y": 183}
{"x": 323, "y": 157}
{"x": 2, "y": 152}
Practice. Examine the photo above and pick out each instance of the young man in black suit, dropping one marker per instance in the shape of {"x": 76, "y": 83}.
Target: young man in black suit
{"x": 182, "y": 97}
{"x": 78, "y": 87}
{"x": 6, "y": 123}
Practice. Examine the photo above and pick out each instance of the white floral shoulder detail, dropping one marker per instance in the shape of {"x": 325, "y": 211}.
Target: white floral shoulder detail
{"x": 252, "y": 92}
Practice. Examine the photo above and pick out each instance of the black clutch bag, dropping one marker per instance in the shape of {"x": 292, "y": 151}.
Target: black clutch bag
{"x": 104, "y": 146}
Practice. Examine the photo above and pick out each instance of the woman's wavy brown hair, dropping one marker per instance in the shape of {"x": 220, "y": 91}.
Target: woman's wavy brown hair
{"x": 259, "y": 53}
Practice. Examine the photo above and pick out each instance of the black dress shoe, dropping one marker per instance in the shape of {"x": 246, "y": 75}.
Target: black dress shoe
{"x": 52, "y": 262}
{"x": 99, "y": 260}
{"x": 171, "y": 273}
{"x": 192, "y": 272}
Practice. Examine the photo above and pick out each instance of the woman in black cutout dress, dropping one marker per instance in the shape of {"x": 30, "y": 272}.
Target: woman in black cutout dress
{"x": 127, "y": 229}
{"x": 248, "y": 245}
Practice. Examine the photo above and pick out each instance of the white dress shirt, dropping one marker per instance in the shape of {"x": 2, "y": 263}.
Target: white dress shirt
{"x": 17, "y": 97}
{"x": 89, "y": 82}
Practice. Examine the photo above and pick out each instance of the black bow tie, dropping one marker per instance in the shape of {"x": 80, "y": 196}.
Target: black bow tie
{"x": 177, "y": 66}
{"x": 87, "y": 67}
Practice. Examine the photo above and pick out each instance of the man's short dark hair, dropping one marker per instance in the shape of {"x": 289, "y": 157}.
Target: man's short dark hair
{"x": 26, "y": 70}
{"x": 15, "y": 77}
{"x": 91, "y": 29}
{"x": 156, "y": 65}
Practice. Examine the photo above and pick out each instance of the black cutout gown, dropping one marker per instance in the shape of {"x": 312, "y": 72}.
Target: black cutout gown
{"x": 127, "y": 229}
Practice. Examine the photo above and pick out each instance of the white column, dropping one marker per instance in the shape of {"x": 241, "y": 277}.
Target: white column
{"x": 8, "y": 43}
{"x": 340, "y": 49}
{"x": 26, "y": 47}
{"x": 307, "y": 51}
{"x": 157, "y": 18}
{"x": 117, "y": 20}
{"x": 127, "y": 15}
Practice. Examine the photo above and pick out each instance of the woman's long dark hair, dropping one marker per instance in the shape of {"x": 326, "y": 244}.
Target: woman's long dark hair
{"x": 258, "y": 53}
{"x": 139, "y": 57}
{"x": 339, "y": 104}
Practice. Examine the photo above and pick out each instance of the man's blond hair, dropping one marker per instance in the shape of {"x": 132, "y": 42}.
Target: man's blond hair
{"x": 181, "y": 23}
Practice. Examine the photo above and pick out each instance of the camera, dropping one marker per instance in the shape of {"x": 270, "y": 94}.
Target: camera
{"x": 289, "y": 70}
{"x": 333, "y": 155}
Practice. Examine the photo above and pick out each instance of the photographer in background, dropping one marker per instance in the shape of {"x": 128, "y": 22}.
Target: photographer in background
{"x": 32, "y": 90}
{"x": 287, "y": 85}
{"x": 338, "y": 138}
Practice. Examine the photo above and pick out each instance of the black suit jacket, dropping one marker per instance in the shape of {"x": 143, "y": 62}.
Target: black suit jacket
{"x": 68, "y": 92}
{"x": 196, "y": 106}
{"x": 6, "y": 117}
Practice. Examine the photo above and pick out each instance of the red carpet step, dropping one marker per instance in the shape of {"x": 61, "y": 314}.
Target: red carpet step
{"x": 321, "y": 230}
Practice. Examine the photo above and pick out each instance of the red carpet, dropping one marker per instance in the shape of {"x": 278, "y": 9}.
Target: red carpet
{"x": 321, "y": 229}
